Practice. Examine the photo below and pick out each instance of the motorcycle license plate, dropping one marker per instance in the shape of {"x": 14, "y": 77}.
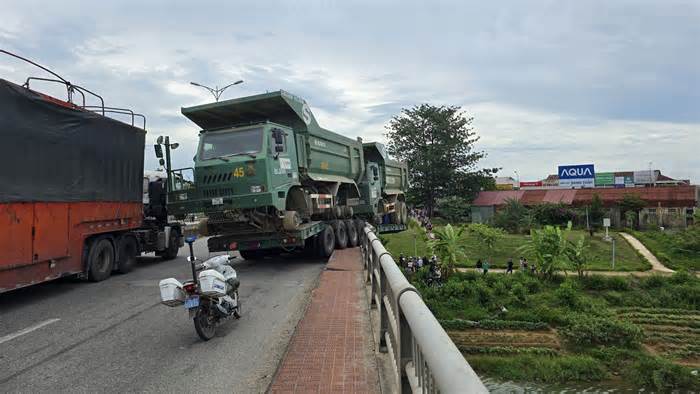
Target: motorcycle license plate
{"x": 192, "y": 302}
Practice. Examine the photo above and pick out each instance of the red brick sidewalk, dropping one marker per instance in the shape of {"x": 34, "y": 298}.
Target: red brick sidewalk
{"x": 332, "y": 349}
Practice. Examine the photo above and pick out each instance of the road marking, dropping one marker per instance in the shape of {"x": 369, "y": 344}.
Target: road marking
{"x": 27, "y": 330}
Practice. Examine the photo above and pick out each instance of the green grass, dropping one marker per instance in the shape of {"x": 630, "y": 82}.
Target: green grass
{"x": 600, "y": 250}
{"x": 609, "y": 311}
{"x": 660, "y": 244}
{"x": 539, "y": 368}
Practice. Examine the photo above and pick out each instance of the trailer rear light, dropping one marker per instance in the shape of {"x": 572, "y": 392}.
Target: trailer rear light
{"x": 233, "y": 246}
{"x": 190, "y": 288}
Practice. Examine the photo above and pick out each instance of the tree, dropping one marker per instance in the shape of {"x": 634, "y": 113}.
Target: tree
{"x": 448, "y": 245}
{"x": 437, "y": 143}
{"x": 513, "y": 217}
{"x": 631, "y": 203}
{"x": 453, "y": 208}
{"x": 577, "y": 253}
{"x": 487, "y": 236}
{"x": 548, "y": 246}
{"x": 596, "y": 212}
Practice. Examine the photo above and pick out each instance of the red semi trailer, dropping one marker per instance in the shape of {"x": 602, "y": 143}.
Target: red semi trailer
{"x": 72, "y": 191}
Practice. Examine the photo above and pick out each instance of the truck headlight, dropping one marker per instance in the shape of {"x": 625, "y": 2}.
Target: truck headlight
{"x": 256, "y": 189}
{"x": 182, "y": 196}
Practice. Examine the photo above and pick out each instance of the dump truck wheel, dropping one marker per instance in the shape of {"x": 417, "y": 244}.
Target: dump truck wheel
{"x": 341, "y": 234}
{"x": 291, "y": 220}
{"x": 394, "y": 217}
{"x": 352, "y": 233}
{"x": 326, "y": 242}
{"x": 360, "y": 227}
{"x": 128, "y": 250}
{"x": 403, "y": 212}
{"x": 100, "y": 260}
{"x": 173, "y": 246}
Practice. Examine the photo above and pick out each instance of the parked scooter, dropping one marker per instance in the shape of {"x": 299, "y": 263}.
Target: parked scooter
{"x": 211, "y": 297}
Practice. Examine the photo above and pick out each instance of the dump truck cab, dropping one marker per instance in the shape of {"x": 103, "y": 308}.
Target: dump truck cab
{"x": 239, "y": 169}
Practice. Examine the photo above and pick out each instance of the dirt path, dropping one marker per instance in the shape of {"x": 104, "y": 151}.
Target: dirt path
{"x": 639, "y": 247}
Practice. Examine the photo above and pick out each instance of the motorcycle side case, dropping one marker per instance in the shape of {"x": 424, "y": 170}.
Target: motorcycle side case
{"x": 171, "y": 292}
{"x": 212, "y": 283}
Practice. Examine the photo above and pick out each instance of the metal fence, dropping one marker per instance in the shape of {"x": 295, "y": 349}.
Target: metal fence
{"x": 423, "y": 357}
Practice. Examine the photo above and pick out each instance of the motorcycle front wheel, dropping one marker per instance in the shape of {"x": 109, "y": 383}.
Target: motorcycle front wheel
{"x": 204, "y": 324}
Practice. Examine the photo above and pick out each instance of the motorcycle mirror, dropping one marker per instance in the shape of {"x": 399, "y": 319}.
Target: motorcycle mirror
{"x": 159, "y": 140}
{"x": 190, "y": 239}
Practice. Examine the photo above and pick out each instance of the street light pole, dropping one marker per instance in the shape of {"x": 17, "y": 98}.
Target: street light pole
{"x": 216, "y": 92}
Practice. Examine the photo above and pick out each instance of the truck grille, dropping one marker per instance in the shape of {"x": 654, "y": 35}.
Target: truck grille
{"x": 216, "y": 178}
{"x": 217, "y": 192}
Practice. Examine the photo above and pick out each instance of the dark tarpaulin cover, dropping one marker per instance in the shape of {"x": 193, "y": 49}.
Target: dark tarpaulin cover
{"x": 49, "y": 152}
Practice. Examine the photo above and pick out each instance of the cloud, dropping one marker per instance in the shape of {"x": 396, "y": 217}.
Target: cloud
{"x": 615, "y": 83}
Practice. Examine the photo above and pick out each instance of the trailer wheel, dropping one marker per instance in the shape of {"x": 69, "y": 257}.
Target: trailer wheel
{"x": 352, "y": 233}
{"x": 341, "y": 234}
{"x": 326, "y": 242}
{"x": 173, "y": 246}
{"x": 100, "y": 260}
{"x": 252, "y": 254}
{"x": 402, "y": 212}
{"x": 128, "y": 250}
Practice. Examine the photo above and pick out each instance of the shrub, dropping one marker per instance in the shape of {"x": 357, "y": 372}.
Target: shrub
{"x": 508, "y": 350}
{"x": 542, "y": 368}
{"x": 588, "y": 330}
{"x": 653, "y": 282}
{"x": 567, "y": 294}
{"x": 602, "y": 282}
{"x": 663, "y": 375}
{"x": 459, "y": 324}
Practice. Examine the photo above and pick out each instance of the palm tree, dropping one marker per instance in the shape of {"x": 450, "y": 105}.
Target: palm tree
{"x": 418, "y": 231}
{"x": 448, "y": 245}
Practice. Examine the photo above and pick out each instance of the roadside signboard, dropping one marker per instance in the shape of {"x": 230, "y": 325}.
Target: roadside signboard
{"x": 531, "y": 184}
{"x": 605, "y": 179}
{"x": 504, "y": 186}
{"x": 644, "y": 177}
{"x": 576, "y": 176}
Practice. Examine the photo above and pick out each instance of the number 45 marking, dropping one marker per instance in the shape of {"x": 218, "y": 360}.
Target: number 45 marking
{"x": 238, "y": 172}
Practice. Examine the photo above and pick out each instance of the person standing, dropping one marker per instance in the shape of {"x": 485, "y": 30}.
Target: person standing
{"x": 521, "y": 262}
{"x": 420, "y": 262}
{"x": 509, "y": 270}
{"x": 485, "y": 267}
{"x": 479, "y": 264}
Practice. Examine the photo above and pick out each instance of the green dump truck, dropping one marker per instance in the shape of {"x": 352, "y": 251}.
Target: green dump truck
{"x": 268, "y": 179}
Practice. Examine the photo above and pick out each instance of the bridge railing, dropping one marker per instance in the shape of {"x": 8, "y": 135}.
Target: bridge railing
{"x": 423, "y": 357}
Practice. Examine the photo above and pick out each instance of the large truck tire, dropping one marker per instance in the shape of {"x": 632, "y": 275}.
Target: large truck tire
{"x": 360, "y": 227}
{"x": 326, "y": 242}
{"x": 127, "y": 249}
{"x": 341, "y": 234}
{"x": 291, "y": 220}
{"x": 352, "y": 233}
{"x": 403, "y": 212}
{"x": 173, "y": 246}
{"x": 394, "y": 216}
{"x": 100, "y": 259}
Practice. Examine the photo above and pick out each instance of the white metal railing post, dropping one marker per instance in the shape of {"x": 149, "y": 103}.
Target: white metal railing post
{"x": 424, "y": 358}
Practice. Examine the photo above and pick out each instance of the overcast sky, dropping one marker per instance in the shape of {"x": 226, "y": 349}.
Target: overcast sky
{"x": 614, "y": 83}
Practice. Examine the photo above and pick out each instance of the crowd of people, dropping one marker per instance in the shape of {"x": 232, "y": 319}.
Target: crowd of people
{"x": 421, "y": 215}
{"x": 525, "y": 266}
{"x": 413, "y": 264}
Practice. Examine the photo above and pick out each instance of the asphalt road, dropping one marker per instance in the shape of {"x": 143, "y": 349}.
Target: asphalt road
{"x": 115, "y": 336}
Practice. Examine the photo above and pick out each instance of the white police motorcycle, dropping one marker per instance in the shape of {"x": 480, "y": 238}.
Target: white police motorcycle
{"x": 211, "y": 297}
